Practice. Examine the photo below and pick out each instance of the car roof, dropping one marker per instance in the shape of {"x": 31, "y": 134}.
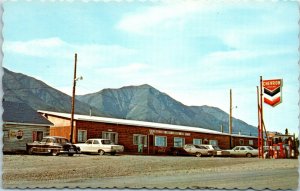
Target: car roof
{"x": 55, "y": 137}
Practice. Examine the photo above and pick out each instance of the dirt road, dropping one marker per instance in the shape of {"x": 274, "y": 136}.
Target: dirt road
{"x": 148, "y": 171}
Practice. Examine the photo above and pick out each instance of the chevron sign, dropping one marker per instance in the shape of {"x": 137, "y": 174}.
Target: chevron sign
{"x": 272, "y": 91}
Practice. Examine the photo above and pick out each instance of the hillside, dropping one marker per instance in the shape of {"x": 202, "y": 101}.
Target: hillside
{"x": 146, "y": 103}
{"x": 18, "y": 87}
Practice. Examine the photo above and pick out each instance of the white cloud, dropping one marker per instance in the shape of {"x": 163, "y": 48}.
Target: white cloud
{"x": 141, "y": 22}
{"x": 88, "y": 54}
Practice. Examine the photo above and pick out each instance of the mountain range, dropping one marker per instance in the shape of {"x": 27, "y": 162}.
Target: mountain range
{"x": 144, "y": 103}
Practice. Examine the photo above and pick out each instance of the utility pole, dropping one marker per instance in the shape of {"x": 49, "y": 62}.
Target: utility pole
{"x": 73, "y": 99}
{"x": 230, "y": 118}
{"x": 261, "y": 118}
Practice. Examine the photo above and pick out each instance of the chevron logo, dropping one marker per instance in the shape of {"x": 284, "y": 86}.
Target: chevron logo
{"x": 272, "y": 92}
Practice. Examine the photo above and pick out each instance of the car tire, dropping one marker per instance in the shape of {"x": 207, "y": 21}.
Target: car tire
{"x": 54, "y": 152}
{"x": 71, "y": 154}
{"x": 101, "y": 152}
{"x": 175, "y": 153}
{"x": 198, "y": 154}
{"x": 113, "y": 153}
{"x": 30, "y": 151}
{"x": 249, "y": 155}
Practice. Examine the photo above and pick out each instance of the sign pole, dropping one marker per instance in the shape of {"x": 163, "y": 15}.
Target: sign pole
{"x": 259, "y": 124}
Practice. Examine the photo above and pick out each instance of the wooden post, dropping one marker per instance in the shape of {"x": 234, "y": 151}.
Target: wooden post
{"x": 261, "y": 117}
{"x": 259, "y": 124}
{"x": 230, "y": 118}
{"x": 73, "y": 99}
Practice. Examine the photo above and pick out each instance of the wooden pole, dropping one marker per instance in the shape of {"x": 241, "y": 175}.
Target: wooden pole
{"x": 259, "y": 123}
{"x": 261, "y": 117}
{"x": 73, "y": 99}
{"x": 230, "y": 118}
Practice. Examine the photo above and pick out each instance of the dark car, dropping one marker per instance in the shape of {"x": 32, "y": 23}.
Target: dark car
{"x": 53, "y": 145}
{"x": 176, "y": 151}
{"x": 190, "y": 149}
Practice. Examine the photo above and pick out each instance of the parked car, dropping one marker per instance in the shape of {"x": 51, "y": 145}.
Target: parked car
{"x": 177, "y": 151}
{"x": 216, "y": 150}
{"x": 100, "y": 146}
{"x": 247, "y": 151}
{"x": 53, "y": 145}
{"x": 197, "y": 150}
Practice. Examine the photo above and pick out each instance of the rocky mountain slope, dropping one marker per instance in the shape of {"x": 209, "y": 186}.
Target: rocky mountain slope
{"x": 142, "y": 102}
{"x": 18, "y": 87}
{"x": 148, "y": 104}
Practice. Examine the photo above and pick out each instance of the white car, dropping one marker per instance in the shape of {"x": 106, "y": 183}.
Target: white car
{"x": 243, "y": 151}
{"x": 217, "y": 150}
{"x": 100, "y": 146}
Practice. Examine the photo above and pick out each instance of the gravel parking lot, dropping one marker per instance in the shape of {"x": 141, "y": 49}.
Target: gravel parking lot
{"x": 129, "y": 171}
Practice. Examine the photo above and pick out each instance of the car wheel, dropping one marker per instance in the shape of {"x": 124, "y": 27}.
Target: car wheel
{"x": 54, "y": 152}
{"x": 30, "y": 151}
{"x": 198, "y": 154}
{"x": 248, "y": 155}
{"x": 113, "y": 153}
{"x": 101, "y": 152}
{"x": 175, "y": 153}
{"x": 70, "y": 154}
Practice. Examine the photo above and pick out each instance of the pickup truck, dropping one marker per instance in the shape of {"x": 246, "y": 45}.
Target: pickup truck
{"x": 100, "y": 146}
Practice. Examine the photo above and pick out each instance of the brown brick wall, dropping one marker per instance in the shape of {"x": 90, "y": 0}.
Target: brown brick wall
{"x": 126, "y": 132}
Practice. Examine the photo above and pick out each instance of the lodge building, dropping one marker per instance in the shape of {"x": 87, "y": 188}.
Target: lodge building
{"x": 154, "y": 138}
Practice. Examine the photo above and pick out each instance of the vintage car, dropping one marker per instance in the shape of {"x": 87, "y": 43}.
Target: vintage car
{"x": 53, "y": 145}
{"x": 243, "y": 151}
{"x": 216, "y": 150}
{"x": 198, "y": 150}
{"x": 100, "y": 146}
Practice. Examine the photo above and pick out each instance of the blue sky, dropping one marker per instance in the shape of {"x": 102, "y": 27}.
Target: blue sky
{"x": 195, "y": 51}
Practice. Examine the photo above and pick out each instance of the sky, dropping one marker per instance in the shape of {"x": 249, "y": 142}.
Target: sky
{"x": 194, "y": 51}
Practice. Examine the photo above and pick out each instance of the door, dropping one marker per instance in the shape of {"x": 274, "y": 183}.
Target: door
{"x": 95, "y": 146}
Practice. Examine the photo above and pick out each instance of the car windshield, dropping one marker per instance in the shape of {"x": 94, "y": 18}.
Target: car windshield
{"x": 216, "y": 148}
{"x": 107, "y": 142}
{"x": 89, "y": 141}
{"x": 44, "y": 140}
{"x": 250, "y": 148}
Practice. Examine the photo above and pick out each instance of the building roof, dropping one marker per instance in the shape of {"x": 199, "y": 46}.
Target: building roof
{"x": 136, "y": 123}
{"x": 15, "y": 112}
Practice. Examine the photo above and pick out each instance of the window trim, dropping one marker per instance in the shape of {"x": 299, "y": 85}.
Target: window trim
{"x": 111, "y": 132}
{"x": 197, "y": 139}
{"x": 166, "y": 141}
{"x": 242, "y": 142}
{"x": 210, "y": 142}
{"x": 139, "y": 139}
{"x": 84, "y": 138}
{"x": 182, "y": 143}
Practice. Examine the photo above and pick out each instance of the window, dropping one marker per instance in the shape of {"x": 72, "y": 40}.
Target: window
{"x": 241, "y": 141}
{"x": 178, "y": 142}
{"x": 96, "y": 142}
{"x": 160, "y": 141}
{"x": 106, "y": 142}
{"x": 242, "y": 148}
{"x": 250, "y": 142}
{"x": 140, "y": 139}
{"x": 213, "y": 142}
{"x": 37, "y": 135}
{"x": 82, "y": 136}
{"x": 197, "y": 141}
{"x": 113, "y": 136}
